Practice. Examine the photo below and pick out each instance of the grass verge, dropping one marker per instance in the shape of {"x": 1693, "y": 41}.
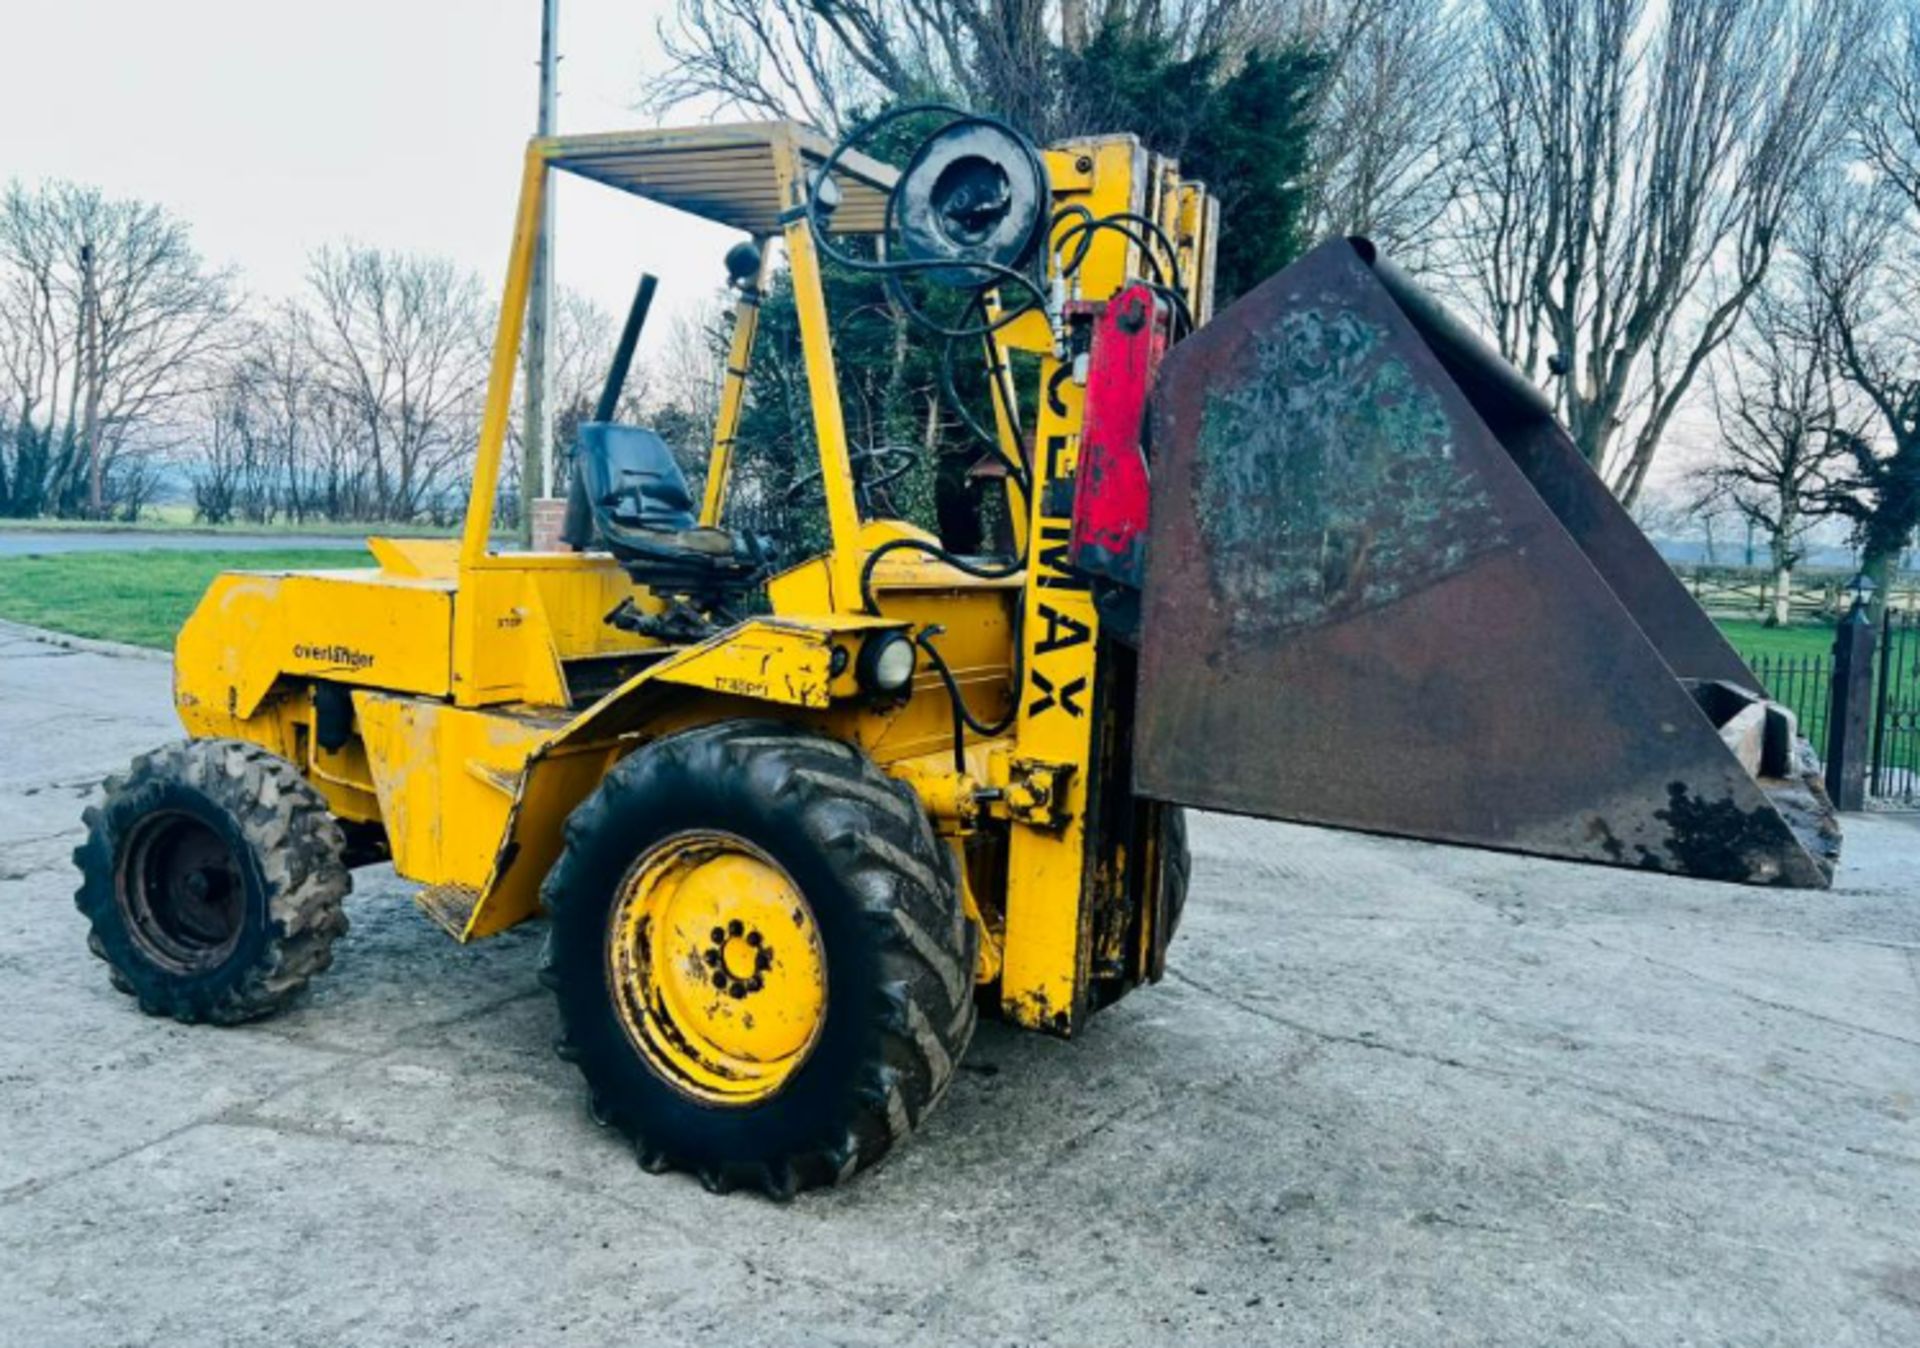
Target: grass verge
{"x": 1754, "y": 638}
{"x": 139, "y": 597}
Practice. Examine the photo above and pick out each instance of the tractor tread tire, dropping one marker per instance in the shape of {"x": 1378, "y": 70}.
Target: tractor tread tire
{"x": 1178, "y": 863}
{"x": 900, "y": 886}
{"x": 293, "y": 854}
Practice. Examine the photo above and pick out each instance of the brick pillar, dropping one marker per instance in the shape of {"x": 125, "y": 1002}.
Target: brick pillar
{"x": 549, "y": 517}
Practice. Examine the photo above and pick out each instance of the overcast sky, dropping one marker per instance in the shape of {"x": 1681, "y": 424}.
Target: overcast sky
{"x": 273, "y": 128}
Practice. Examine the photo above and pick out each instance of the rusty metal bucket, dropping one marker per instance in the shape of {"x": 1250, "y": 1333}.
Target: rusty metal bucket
{"x": 1384, "y": 592}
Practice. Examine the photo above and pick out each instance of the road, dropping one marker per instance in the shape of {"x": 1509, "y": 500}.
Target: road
{"x": 1390, "y": 1094}
{"x": 21, "y": 542}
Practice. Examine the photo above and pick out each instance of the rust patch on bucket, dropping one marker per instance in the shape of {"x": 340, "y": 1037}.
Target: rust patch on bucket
{"x": 1326, "y": 479}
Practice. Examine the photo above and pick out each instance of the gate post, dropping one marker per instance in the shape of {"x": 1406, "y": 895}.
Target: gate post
{"x": 1851, "y": 711}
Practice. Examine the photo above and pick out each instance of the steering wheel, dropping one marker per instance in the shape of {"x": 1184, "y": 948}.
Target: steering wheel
{"x": 886, "y": 464}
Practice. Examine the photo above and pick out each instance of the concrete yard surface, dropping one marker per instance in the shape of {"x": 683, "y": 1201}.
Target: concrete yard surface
{"x": 1389, "y": 1094}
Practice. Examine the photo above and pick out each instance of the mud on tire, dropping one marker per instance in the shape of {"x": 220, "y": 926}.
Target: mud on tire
{"x": 899, "y": 953}
{"x": 212, "y": 880}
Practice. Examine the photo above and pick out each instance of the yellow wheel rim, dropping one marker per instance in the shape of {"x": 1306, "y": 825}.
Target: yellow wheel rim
{"x": 716, "y": 967}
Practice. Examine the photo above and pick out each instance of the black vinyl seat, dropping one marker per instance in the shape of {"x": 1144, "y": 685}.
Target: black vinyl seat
{"x": 633, "y": 479}
{"x": 629, "y": 495}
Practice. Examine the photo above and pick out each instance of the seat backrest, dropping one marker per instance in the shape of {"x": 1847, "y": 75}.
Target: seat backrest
{"x": 631, "y": 480}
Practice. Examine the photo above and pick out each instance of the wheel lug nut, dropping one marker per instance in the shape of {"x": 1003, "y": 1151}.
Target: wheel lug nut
{"x": 720, "y": 979}
{"x": 753, "y": 938}
{"x": 713, "y": 959}
{"x": 735, "y": 927}
{"x": 738, "y": 990}
{"x": 718, "y": 935}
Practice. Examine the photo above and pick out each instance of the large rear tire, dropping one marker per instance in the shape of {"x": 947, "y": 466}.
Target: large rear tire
{"x": 213, "y": 881}
{"x": 760, "y": 957}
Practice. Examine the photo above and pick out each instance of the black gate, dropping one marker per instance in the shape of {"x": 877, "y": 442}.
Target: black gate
{"x": 1805, "y": 682}
{"x": 1895, "y": 740}
{"x": 1802, "y": 683}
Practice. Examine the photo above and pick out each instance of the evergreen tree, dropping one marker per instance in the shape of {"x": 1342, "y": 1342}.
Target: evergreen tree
{"x": 1244, "y": 131}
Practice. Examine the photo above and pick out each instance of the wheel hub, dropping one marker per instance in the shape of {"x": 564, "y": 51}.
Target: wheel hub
{"x": 180, "y": 888}
{"x": 716, "y": 967}
{"x": 739, "y": 957}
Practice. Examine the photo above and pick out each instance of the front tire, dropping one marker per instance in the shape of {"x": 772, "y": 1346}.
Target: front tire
{"x": 212, "y": 878}
{"x": 760, "y": 957}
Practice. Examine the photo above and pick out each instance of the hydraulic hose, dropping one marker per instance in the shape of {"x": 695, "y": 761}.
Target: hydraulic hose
{"x": 892, "y": 270}
{"x": 1072, "y": 246}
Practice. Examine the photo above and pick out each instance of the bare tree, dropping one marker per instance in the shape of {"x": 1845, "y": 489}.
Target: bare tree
{"x": 1861, "y": 244}
{"x": 583, "y": 342}
{"x": 255, "y": 450}
{"x": 284, "y": 393}
{"x": 231, "y": 480}
{"x": 1625, "y": 189}
{"x": 826, "y": 60}
{"x": 1665, "y": 514}
{"x": 107, "y": 320}
{"x": 682, "y": 396}
{"x": 1685, "y": 513}
{"x": 766, "y": 57}
{"x": 1390, "y": 123}
{"x": 1774, "y": 398}
{"x": 399, "y": 346}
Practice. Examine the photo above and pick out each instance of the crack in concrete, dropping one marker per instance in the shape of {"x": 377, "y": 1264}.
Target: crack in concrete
{"x": 1560, "y": 932}
{"x": 1525, "y": 1078}
{"x": 29, "y": 1188}
{"x": 245, "y": 1116}
{"x": 1735, "y": 990}
{"x": 415, "y": 1035}
{"x": 1159, "y": 1102}
{"x": 26, "y": 1189}
{"x": 38, "y": 839}
{"x": 60, "y": 713}
{"x": 1718, "y": 930}
{"x": 83, "y": 783}
{"x": 1329, "y": 1036}
{"x": 22, "y": 650}
{"x": 14, "y": 877}
{"x": 1689, "y": 1232}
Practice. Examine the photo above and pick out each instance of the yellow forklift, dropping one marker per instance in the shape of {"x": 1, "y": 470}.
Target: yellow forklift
{"x": 794, "y": 821}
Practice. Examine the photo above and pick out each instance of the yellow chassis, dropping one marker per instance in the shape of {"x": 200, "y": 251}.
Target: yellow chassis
{"x": 488, "y": 697}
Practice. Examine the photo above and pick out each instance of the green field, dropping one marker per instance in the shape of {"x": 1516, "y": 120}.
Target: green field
{"x": 138, "y": 597}
{"x": 1794, "y": 663}
{"x": 1752, "y": 638}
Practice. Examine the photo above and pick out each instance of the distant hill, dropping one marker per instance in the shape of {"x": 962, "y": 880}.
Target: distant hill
{"x": 1693, "y": 552}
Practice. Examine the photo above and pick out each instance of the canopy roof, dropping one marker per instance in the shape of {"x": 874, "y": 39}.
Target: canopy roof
{"x": 727, "y": 174}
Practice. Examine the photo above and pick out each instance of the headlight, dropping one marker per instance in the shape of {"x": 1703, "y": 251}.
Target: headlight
{"x": 886, "y": 663}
